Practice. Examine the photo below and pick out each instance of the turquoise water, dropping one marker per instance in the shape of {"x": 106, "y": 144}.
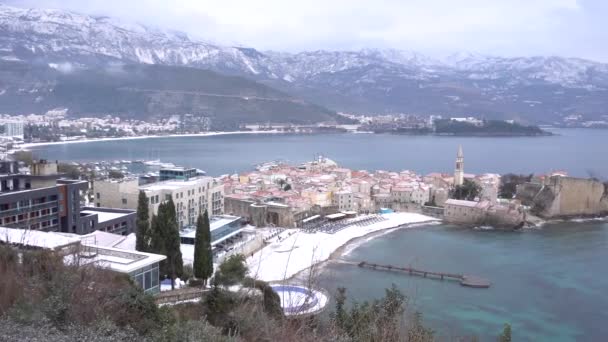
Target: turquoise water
{"x": 577, "y": 151}
{"x": 549, "y": 284}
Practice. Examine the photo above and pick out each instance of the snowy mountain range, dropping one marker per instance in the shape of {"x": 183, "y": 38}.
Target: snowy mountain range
{"x": 536, "y": 89}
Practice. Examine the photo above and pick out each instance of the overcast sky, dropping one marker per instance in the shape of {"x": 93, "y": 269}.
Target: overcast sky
{"x": 575, "y": 28}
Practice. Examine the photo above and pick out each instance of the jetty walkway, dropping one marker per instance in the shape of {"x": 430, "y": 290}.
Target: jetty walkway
{"x": 464, "y": 280}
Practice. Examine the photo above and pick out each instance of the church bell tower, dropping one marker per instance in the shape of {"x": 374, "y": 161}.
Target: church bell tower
{"x": 459, "y": 171}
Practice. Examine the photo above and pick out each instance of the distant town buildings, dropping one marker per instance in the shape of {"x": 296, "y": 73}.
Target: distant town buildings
{"x": 470, "y": 120}
{"x": 14, "y": 129}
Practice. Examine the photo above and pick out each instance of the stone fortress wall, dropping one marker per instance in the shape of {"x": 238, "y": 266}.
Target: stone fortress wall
{"x": 559, "y": 196}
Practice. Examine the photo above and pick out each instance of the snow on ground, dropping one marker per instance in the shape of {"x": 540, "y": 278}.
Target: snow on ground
{"x": 285, "y": 257}
{"x": 165, "y": 285}
{"x": 299, "y": 300}
{"x": 204, "y": 134}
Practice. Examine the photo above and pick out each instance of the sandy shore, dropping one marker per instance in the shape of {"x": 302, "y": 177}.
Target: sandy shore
{"x": 206, "y": 134}
{"x": 287, "y": 258}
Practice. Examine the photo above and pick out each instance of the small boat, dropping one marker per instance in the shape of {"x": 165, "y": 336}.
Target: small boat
{"x": 155, "y": 162}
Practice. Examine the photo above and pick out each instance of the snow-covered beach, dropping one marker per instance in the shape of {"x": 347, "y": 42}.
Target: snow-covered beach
{"x": 294, "y": 250}
{"x": 205, "y": 134}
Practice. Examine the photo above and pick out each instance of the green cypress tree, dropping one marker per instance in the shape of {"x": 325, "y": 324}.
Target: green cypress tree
{"x": 207, "y": 248}
{"x": 143, "y": 233}
{"x": 157, "y": 240}
{"x": 175, "y": 264}
{"x": 203, "y": 257}
{"x": 199, "y": 255}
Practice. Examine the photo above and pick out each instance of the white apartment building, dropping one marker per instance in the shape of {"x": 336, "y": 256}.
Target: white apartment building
{"x": 191, "y": 197}
{"x": 14, "y": 129}
{"x": 344, "y": 200}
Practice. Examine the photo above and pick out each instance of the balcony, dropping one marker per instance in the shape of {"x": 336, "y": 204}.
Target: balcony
{"x": 22, "y": 210}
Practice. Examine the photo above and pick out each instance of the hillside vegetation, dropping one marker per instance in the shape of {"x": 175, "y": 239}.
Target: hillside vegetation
{"x": 146, "y": 92}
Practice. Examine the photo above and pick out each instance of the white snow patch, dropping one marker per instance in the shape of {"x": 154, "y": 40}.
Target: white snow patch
{"x": 283, "y": 259}
{"x": 65, "y": 68}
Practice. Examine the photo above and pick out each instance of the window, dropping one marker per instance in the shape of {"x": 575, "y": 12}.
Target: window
{"x": 97, "y": 195}
{"x": 155, "y": 276}
{"x": 139, "y": 279}
{"x": 147, "y": 280}
{"x": 124, "y": 201}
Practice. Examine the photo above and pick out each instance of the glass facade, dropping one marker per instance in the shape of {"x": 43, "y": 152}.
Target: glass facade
{"x": 178, "y": 174}
{"x": 147, "y": 278}
{"x": 225, "y": 230}
{"x": 216, "y": 234}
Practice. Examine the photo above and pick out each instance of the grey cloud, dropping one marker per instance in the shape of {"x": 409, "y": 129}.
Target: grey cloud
{"x": 500, "y": 27}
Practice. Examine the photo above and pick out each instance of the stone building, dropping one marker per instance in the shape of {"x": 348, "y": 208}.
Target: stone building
{"x": 261, "y": 213}
{"x": 509, "y": 215}
{"x": 465, "y": 212}
{"x": 116, "y": 193}
{"x": 559, "y": 196}
{"x": 345, "y": 201}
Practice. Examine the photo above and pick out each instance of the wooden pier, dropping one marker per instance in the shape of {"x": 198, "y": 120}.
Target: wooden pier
{"x": 464, "y": 280}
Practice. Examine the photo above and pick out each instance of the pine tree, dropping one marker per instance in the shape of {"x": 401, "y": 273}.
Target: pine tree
{"x": 143, "y": 233}
{"x": 203, "y": 257}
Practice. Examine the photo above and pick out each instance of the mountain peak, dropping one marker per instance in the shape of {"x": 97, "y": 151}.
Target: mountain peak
{"x": 464, "y": 82}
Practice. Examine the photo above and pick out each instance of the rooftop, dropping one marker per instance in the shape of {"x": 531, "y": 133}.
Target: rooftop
{"x": 215, "y": 222}
{"x": 175, "y": 184}
{"x": 461, "y": 203}
{"x": 96, "y": 249}
{"x": 106, "y": 215}
{"x": 119, "y": 260}
{"x": 177, "y": 168}
{"x": 36, "y": 238}
{"x": 470, "y": 204}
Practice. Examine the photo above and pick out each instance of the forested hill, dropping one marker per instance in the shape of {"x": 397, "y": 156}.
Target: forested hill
{"x": 487, "y": 128}
{"x": 145, "y": 91}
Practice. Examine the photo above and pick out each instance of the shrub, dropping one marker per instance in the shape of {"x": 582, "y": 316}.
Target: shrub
{"x": 187, "y": 273}
{"x": 232, "y": 271}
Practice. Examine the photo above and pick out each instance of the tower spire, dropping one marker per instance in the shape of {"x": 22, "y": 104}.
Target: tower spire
{"x": 459, "y": 171}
